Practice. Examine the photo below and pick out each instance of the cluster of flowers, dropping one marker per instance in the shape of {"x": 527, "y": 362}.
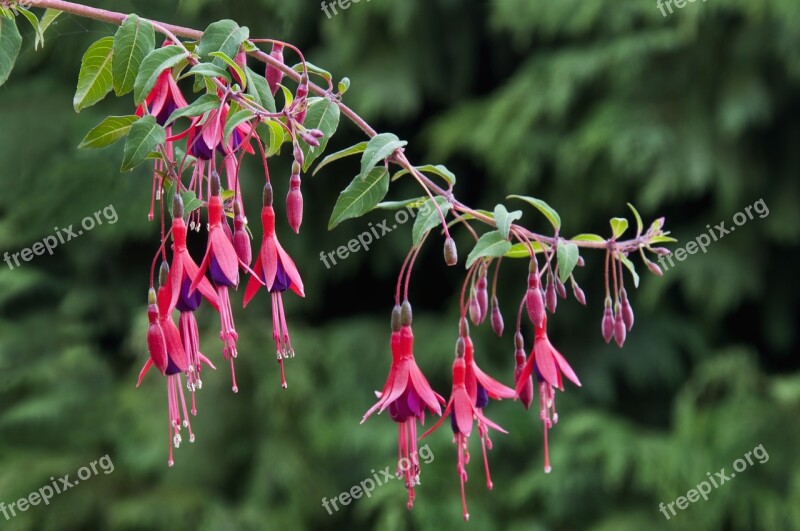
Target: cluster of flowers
{"x": 183, "y": 284}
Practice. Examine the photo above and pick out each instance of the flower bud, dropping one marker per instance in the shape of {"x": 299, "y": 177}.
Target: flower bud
{"x": 578, "y": 293}
{"x": 266, "y": 197}
{"x": 526, "y": 390}
{"x": 450, "y": 252}
{"x": 497, "y": 317}
{"x": 608, "y": 322}
{"x": 460, "y": 347}
{"x": 241, "y": 240}
{"x": 474, "y": 310}
{"x": 396, "y": 318}
{"x": 294, "y": 204}
{"x": 309, "y": 139}
{"x": 655, "y": 269}
{"x": 535, "y": 306}
{"x": 273, "y": 75}
{"x": 214, "y": 183}
{"x": 519, "y": 342}
{"x": 619, "y": 328}
{"x": 299, "y": 158}
{"x": 316, "y": 133}
{"x": 177, "y": 206}
{"x": 627, "y": 311}
{"x": 581, "y": 263}
{"x": 241, "y": 61}
{"x": 551, "y": 300}
{"x": 482, "y": 296}
{"x": 661, "y": 251}
{"x": 163, "y": 273}
{"x": 561, "y": 289}
{"x": 405, "y": 314}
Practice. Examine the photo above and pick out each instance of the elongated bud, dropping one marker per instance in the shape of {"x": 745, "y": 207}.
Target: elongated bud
{"x": 608, "y": 322}
{"x": 497, "y": 317}
{"x": 525, "y": 391}
{"x": 627, "y": 311}
{"x": 535, "y": 306}
{"x": 561, "y": 289}
{"x": 619, "y": 327}
{"x": 474, "y": 310}
{"x": 551, "y": 300}
{"x": 299, "y": 158}
{"x": 316, "y": 133}
{"x": 309, "y": 139}
{"x": 661, "y": 251}
{"x": 163, "y": 273}
{"x": 463, "y": 327}
{"x": 177, "y": 206}
{"x": 450, "y": 252}
{"x": 294, "y": 204}
{"x": 460, "y": 347}
{"x": 301, "y": 96}
{"x": 655, "y": 269}
{"x": 578, "y": 293}
{"x": 482, "y": 296}
{"x": 519, "y": 342}
{"x": 273, "y": 75}
{"x": 241, "y": 61}
{"x": 241, "y": 240}
{"x": 581, "y": 263}
{"x": 214, "y": 183}
{"x": 266, "y": 196}
{"x": 151, "y": 296}
{"x": 396, "y": 318}
{"x": 405, "y": 314}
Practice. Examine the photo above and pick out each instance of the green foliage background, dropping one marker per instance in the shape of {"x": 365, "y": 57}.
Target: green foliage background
{"x": 587, "y": 104}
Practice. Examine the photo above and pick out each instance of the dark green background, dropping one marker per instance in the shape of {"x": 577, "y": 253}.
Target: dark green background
{"x": 588, "y": 104}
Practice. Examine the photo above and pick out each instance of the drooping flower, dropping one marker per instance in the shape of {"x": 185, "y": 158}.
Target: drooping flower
{"x": 406, "y": 394}
{"x": 275, "y": 270}
{"x": 462, "y": 410}
{"x": 548, "y": 365}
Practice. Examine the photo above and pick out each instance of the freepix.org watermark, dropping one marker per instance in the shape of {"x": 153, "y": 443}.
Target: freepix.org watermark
{"x": 58, "y": 486}
{"x": 703, "y": 488}
{"x": 61, "y": 236}
{"x": 679, "y": 4}
{"x": 714, "y": 234}
{"x": 377, "y": 479}
{"x": 329, "y": 6}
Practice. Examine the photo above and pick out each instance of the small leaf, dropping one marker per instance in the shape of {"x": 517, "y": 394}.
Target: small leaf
{"x": 491, "y": 244}
{"x": 274, "y": 136}
{"x": 378, "y": 148}
{"x": 49, "y": 16}
{"x": 288, "y": 97}
{"x": 439, "y": 170}
{"x": 639, "y": 225}
{"x": 416, "y": 202}
{"x": 627, "y": 263}
{"x": 323, "y": 114}
{"x": 313, "y": 69}
{"x": 429, "y": 218}
{"x": 208, "y": 70}
{"x": 223, "y": 36}
{"x": 108, "y": 131}
{"x": 152, "y": 66}
{"x": 190, "y": 202}
{"x": 144, "y": 136}
{"x": 234, "y": 120}
{"x": 35, "y": 24}
{"x": 521, "y": 250}
{"x": 662, "y": 239}
{"x": 360, "y": 196}
{"x": 203, "y": 104}
{"x": 10, "y": 43}
{"x": 232, "y": 64}
{"x": 503, "y": 218}
{"x": 344, "y": 85}
{"x": 352, "y": 150}
{"x": 567, "y": 254}
{"x": 134, "y": 39}
{"x": 258, "y": 88}
{"x": 588, "y": 238}
{"x": 95, "y": 79}
{"x": 618, "y": 226}
{"x": 543, "y": 207}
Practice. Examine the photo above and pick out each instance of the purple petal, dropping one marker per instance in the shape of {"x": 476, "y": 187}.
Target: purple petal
{"x": 217, "y": 275}
{"x": 186, "y": 302}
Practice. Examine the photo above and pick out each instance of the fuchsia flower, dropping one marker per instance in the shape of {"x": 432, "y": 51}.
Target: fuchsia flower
{"x": 164, "y": 99}
{"x": 406, "y": 394}
{"x": 275, "y": 270}
{"x": 548, "y": 365}
{"x": 222, "y": 262}
{"x": 462, "y": 410}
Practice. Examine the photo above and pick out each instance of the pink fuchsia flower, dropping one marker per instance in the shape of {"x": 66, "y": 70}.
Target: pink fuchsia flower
{"x": 164, "y": 99}
{"x": 275, "y": 270}
{"x": 462, "y": 411}
{"x": 548, "y": 365}
{"x": 223, "y": 264}
{"x": 406, "y": 394}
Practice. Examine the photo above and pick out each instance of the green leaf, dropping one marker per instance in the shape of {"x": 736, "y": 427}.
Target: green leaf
{"x": 313, "y": 69}
{"x": 10, "y": 43}
{"x": 232, "y": 64}
{"x": 134, "y": 39}
{"x": 144, "y": 136}
{"x": 323, "y": 114}
{"x": 288, "y": 97}
{"x": 234, "y": 120}
{"x": 108, "y": 131}
{"x": 627, "y": 263}
{"x": 37, "y": 29}
{"x": 503, "y": 218}
{"x": 415, "y": 202}
{"x": 618, "y": 226}
{"x": 49, "y": 16}
{"x": 543, "y": 207}
{"x": 662, "y": 239}
{"x": 429, "y": 218}
{"x": 588, "y": 238}
{"x": 153, "y": 65}
{"x": 639, "y": 225}
{"x": 223, "y": 36}
{"x": 378, "y": 148}
{"x": 208, "y": 70}
{"x": 352, "y": 150}
{"x": 258, "y": 88}
{"x": 203, "y": 104}
{"x": 521, "y": 250}
{"x": 95, "y": 79}
{"x": 344, "y": 85}
{"x": 439, "y": 170}
{"x": 360, "y": 196}
{"x": 274, "y": 136}
{"x": 190, "y": 202}
{"x": 491, "y": 244}
{"x": 567, "y": 254}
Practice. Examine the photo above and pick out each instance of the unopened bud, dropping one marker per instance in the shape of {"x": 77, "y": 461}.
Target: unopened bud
{"x": 396, "y": 318}
{"x": 151, "y": 296}
{"x": 525, "y": 390}
{"x": 241, "y": 61}
{"x": 241, "y": 240}
{"x": 519, "y": 342}
{"x": 482, "y": 296}
{"x": 551, "y": 300}
{"x": 578, "y": 293}
{"x": 463, "y": 328}
{"x": 561, "y": 289}
{"x": 214, "y": 183}
{"x": 460, "y": 347}
{"x": 450, "y": 252}
{"x": 497, "y": 317}
{"x": 177, "y": 206}
{"x": 405, "y": 314}
{"x": 273, "y": 75}
{"x": 661, "y": 251}
{"x": 163, "y": 273}
{"x": 581, "y": 263}
{"x": 309, "y": 139}
{"x": 299, "y": 158}
{"x": 294, "y": 204}
{"x": 655, "y": 269}
{"x": 608, "y": 322}
{"x": 266, "y": 197}
{"x": 627, "y": 310}
{"x": 316, "y": 133}
{"x": 474, "y": 310}
{"x": 619, "y": 329}
{"x": 535, "y": 306}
